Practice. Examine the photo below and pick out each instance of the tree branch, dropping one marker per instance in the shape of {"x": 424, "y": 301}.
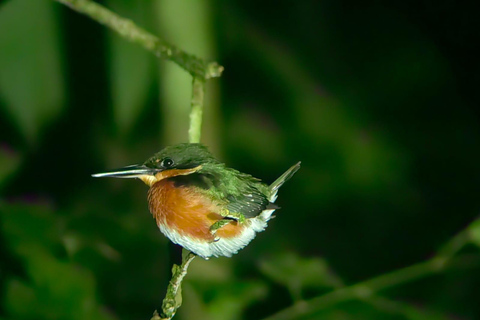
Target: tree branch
{"x": 366, "y": 289}
{"x": 197, "y": 67}
{"x": 200, "y": 71}
{"x": 196, "y": 112}
{"x": 173, "y": 298}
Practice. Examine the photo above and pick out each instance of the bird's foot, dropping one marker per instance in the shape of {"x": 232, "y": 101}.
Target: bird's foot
{"x": 217, "y": 225}
{"x": 232, "y": 215}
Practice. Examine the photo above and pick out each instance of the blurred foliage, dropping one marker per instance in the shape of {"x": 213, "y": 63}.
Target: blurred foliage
{"x": 377, "y": 99}
{"x": 129, "y": 61}
{"x": 50, "y": 288}
{"x": 298, "y": 274}
{"x": 34, "y": 96}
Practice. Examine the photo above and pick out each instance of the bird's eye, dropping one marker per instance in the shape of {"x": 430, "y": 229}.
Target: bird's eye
{"x": 167, "y": 163}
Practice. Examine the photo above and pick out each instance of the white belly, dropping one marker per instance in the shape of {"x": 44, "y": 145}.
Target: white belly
{"x": 223, "y": 247}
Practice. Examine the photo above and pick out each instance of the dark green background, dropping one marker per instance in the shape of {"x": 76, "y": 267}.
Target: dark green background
{"x": 379, "y": 100}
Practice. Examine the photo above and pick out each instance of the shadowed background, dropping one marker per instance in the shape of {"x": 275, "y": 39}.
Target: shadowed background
{"x": 378, "y": 100}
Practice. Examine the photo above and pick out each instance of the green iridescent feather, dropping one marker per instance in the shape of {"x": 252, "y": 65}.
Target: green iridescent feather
{"x": 237, "y": 192}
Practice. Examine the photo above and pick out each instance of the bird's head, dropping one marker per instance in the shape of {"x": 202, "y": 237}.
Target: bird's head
{"x": 180, "y": 159}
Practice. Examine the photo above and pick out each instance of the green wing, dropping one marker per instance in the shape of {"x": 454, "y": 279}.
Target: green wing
{"x": 240, "y": 193}
{"x": 250, "y": 204}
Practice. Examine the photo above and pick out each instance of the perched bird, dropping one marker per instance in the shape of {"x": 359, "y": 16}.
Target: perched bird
{"x": 201, "y": 204}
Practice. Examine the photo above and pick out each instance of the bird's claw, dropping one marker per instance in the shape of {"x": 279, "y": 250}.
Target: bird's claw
{"x": 216, "y": 226}
{"x": 233, "y": 215}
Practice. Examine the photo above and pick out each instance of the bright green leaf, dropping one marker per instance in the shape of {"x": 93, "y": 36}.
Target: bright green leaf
{"x": 31, "y": 82}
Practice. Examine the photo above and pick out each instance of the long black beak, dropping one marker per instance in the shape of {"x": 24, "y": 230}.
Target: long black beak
{"x": 133, "y": 171}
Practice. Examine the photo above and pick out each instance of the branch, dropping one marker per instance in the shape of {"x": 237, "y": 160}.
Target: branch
{"x": 200, "y": 71}
{"x": 407, "y": 310}
{"x": 197, "y": 67}
{"x": 366, "y": 289}
{"x": 196, "y": 112}
{"x": 173, "y": 298}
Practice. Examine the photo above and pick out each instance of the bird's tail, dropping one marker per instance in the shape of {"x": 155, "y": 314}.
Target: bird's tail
{"x": 281, "y": 180}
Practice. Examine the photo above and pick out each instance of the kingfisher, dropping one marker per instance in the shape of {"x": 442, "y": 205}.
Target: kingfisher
{"x": 201, "y": 204}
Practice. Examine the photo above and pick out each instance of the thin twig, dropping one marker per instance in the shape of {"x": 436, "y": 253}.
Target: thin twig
{"x": 173, "y": 298}
{"x": 197, "y": 67}
{"x": 365, "y": 289}
{"x": 200, "y": 71}
{"x": 407, "y": 310}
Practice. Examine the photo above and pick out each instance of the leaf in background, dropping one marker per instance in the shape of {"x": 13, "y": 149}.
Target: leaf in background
{"x": 211, "y": 271}
{"x": 299, "y": 273}
{"x": 229, "y": 304}
{"x": 57, "y": 290}
{"x": 9, "y": 162}
{"x": 474, "y": 232}
{"x": 216, "y": 301}
{"x": 407, "y": 310}
{"x": 24, "y": 225}
{"x": 414, "y": 313}
{"x": 18, "y": 295}
{"x": 130, "y": 67}
{"x": 212, "y": 291}
{"x": 374, "y": 308}
{"x": 31, "y": 80}
{"x": 54, "y": 288}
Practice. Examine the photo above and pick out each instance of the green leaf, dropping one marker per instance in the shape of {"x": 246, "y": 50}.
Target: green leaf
{"x": 212, "y": 291}
{"x": 31, "y": 80}
{"x": 130, "y": 67}
{"x": 54, "y": 288}
{"x": 413, "y": 313}
{"x": 25, "y": 225}
{"x": 406, "y": 310}
{"x": 474, "y": 232}
{"x": 216, "y": 301}
{"x": 231, "y": 302}
{"x": 9, "y": 163}
{"x": 17, "y": 296}
{"x": 57, "y": 289}
{"x": 299, "y": 273}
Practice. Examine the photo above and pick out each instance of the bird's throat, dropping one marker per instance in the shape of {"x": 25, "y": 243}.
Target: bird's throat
{"x": 150, "y": 180}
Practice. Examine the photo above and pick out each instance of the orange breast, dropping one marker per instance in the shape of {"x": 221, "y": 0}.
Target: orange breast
{"x": 187, "y": 212}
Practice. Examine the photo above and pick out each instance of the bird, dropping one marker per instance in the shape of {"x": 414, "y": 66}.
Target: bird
{"x": 201, "y": 204}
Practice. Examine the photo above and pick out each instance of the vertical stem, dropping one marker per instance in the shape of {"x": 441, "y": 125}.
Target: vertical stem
{"x": 173, "y": 298}
{"x": 196, "y": 112}
{"x": 200, "y": 71}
